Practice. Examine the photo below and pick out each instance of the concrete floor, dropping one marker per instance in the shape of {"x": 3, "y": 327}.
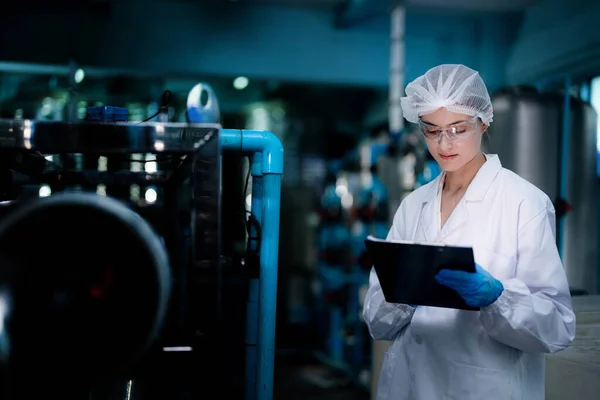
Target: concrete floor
{"x": 306, "y": 379}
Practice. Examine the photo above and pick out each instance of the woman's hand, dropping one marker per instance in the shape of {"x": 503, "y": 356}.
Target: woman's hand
{"x": 478, "y": 289}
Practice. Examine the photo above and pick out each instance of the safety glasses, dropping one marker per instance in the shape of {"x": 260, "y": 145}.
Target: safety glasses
{"x": 457, "y": 131}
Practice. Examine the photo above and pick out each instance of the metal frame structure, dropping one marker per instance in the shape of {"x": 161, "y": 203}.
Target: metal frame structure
{"x": 36, "y": 139}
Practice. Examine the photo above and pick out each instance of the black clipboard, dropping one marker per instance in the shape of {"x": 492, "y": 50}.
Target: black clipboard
{"x": 406, "y": 271}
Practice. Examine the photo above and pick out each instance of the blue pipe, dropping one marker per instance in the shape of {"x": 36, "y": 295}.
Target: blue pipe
{"x": 271, "y": 151}
{"x": 564, "y": 159}
{"x": 256, "y": 142}
{"x": 585, "y": 92}
{"x": 268, "y": 285}
{"x": 254, "y": 284}
{"x": 336, "y": 338}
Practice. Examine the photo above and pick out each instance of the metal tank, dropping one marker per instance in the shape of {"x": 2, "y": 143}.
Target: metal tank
{"x": 526, "y": 134}
{"x": 580, "y": 246}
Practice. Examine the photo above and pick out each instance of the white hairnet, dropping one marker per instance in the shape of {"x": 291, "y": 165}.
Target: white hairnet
{"x": 455, "y": 87}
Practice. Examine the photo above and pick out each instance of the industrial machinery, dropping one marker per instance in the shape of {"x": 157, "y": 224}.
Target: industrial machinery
{"x": 550, "y": 140}
{"x": 333, "y": 244}
{"x": 111, "y": 273}
{"x": 353, "y": 205}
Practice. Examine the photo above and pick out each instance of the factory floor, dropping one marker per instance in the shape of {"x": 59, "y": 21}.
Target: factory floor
{"x": 303, "y": 377}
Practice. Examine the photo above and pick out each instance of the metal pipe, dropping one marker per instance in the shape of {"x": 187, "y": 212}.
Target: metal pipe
{"x": 564, "y": 150}
{"x": 271, "y": 151}
{"x": 254, "y": 283}
{"x": 64, "y": 70}
{"x": 397, "y": 61}
{"x": 396, "y": 126}
{"x": 564, "y": 159}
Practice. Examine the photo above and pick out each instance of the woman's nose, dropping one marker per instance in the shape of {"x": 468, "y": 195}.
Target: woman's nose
{"x": 444, "y": 142}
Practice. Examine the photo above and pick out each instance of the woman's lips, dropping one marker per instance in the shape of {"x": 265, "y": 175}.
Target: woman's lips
{"x": 448, "y": 156}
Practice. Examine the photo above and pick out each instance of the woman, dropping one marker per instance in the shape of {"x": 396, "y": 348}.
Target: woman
{"x": 519, "y": 286}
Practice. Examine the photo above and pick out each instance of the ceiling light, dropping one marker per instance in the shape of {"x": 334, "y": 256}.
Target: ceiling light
{"x": 240, "y": 83}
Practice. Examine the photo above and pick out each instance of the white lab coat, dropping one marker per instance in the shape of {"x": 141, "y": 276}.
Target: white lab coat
{"x": 496, "y": 353}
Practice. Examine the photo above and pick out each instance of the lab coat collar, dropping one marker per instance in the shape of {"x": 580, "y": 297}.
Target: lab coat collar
{"x": 478, "y": 187}
{"x": 484, "y": 178}
{"x": 475, "y": 192}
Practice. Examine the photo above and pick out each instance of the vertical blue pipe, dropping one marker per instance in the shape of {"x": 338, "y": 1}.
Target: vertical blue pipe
{"x": 254, "y": 283}
{"x": 564, "y": 159}
{"x": 271, "y": 150}
{"x": 585, "y": 92}
{"x": 267, "y": 305}
{"x": 354, "y": 308}
{"x": 336, "y": 339}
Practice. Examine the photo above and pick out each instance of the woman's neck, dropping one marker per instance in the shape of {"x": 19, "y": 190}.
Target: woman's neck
{"x": 457, "y": 181}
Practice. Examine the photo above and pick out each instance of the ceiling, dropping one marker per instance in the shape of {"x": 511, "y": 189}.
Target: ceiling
{"x": 325, "y": 4}
{"x": 457, "y": 5}
{"x": 472, "y": 5}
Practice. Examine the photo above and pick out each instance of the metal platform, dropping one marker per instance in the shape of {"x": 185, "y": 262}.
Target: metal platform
{"x": 93, "y": 137}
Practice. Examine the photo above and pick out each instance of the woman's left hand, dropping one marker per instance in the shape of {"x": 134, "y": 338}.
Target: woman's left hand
{"x": 478, "y": 289}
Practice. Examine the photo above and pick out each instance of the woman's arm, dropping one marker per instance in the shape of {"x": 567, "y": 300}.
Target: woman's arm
{"x": 384, "y": 319}
{"x": 534, "y": 312}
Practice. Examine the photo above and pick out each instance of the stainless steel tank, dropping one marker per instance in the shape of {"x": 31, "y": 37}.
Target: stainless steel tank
{"x": 580, "y": 245}
{"x": 526, "y": 134}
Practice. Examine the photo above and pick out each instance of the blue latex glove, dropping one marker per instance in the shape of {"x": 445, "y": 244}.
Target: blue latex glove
{"x": 479, "y": 289}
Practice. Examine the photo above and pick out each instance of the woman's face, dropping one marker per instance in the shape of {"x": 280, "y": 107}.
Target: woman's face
{"x": 452, "y": 139}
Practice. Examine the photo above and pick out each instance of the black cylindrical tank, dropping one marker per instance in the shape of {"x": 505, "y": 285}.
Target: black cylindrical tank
{"x": 84, "y": 290}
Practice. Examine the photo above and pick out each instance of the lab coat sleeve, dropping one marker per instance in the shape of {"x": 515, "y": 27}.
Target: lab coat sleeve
{"x": 384, "y": 319}
{"x": 534, "y": 312}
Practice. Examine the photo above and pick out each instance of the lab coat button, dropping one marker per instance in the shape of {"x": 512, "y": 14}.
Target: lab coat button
{"x": 418, "y": 339}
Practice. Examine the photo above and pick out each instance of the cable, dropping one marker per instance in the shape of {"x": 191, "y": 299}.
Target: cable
{"x": 165, "y": 100}
{"x": 252, "y": 220}
{"x": 246, "y": 185}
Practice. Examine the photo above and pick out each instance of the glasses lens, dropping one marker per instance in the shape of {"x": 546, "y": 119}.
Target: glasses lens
{"x": 459, "y": 131}
{"x": 430, "y": 132}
